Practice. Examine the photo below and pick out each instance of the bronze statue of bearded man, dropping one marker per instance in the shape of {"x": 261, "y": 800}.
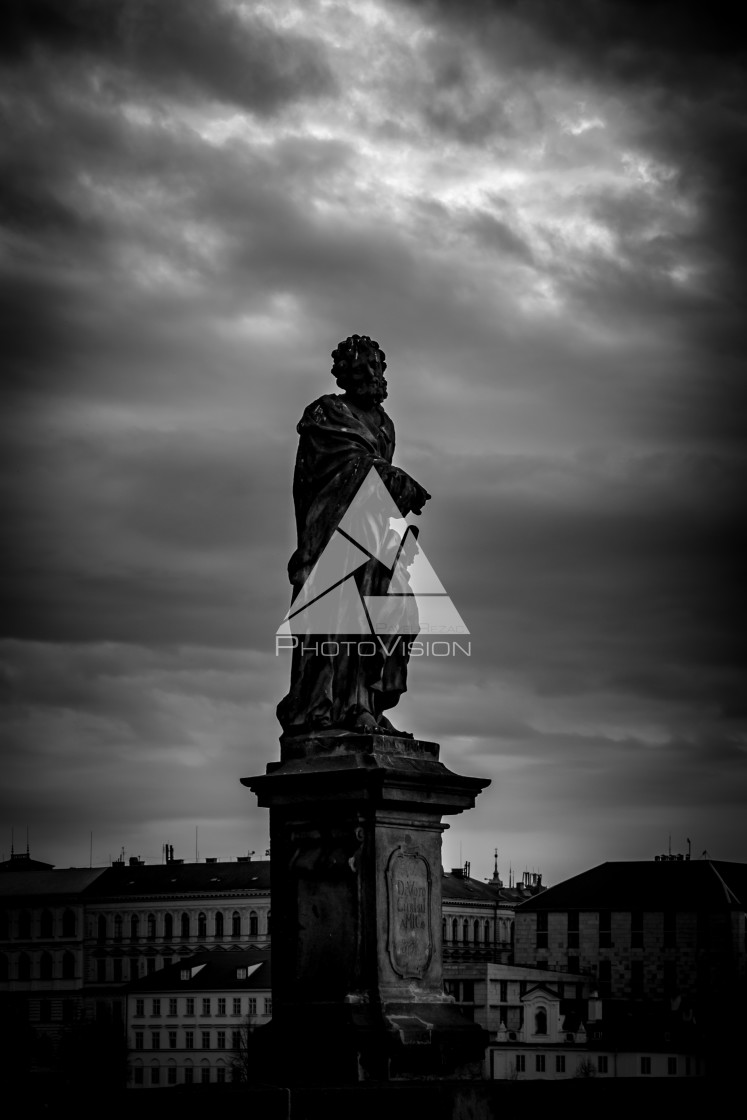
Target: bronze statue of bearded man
{"x": 342, "y": 436}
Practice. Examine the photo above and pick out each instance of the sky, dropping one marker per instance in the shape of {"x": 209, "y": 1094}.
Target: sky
{"x": 537, "y": 211}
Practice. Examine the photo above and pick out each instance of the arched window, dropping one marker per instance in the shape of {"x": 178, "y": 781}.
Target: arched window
{"x": 68, "y": 923}
{"x": 465, "y": 930}
{"x": 151, "y": 925}
{"x": 117, "y": 927}
{"x": 444, "y": 934}
{"x": 68, "y": 966}
{"x": 168, "y": 927}
{"x": 253, "y": 924}
{"x": 101, "y": 928}
{"x": 219, "y": 926}
{"x": 476, "y": 932}
{"x": 24, "y": 966}
{"x": 540, "y": 1021}
{"x": 46, "y": 926}
{"x": 24, "y": 925}
{"x": 269, "y": 922}
{"x": 4, "y": 972}
{"x": 236, "y": 924}
{"x": 454, "y": 929}
{"x": 134, "y": 928}
{"x": 486, "y": 932}
{"x": 46, "y": 966}
{"x": 185, "y": 927}
{"x": 202, "y": 925}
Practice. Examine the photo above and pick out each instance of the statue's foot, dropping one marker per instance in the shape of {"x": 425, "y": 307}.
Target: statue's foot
{"x": 365, "y": 723}
{"x": 386, "y": 727}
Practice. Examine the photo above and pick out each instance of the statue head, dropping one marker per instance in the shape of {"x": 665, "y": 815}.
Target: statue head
{"x": 359, "y": 370}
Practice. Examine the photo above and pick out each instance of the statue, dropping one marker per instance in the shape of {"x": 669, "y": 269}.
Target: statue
{"x": 342, "y": 436}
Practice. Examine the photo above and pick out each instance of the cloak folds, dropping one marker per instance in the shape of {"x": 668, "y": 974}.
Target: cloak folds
{"x": 339, "y": 443}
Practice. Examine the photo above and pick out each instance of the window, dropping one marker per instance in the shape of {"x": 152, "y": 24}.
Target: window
{"x": 636, "y": 929}
{"x": 476, "y": 933}
{"x": 101, "y": 928}
{"x": 221, "y": 1007}
{"x": 252, "y": 1009}
{"x": 253, "y": 924}
{"x": 603, "y": 1064}
{"x": 221, "y": 1041}
{"x": 504, "y": 991}
{"x": 134, "y": 968}
{"x": 172, "y": 1040}
{"x": 521, "y": 1063}
{"x": 605, "y": 929}
{"x": 542, "y": 930}
{"x": 202, "y": 925}
{"x": 670, "y": 978}
{"x": 24, "y": 925}
{"x": 219, "y": 926}
{"x": 139, "y": 1008}
{"x": 68, "y": 1010}
{"x": 268, "y": 1006}
{"x": 573, "y": 929}
{"x": 636, "y": 978}
{"x": 46, "y": 966}
{"x": 139, "y": 1036}
{"x": 235, "y": 1040}
{"x": 137, "y": 1075}
{"x": 190, "y": 1005}
{"x": 574, "y": 964}
{"x": 454, "y": 929}
{"x": 540, "y": 1021}
{"x": 220, "y": 1075}
{"x": 155, "y": 1040}
{"x": 171, "y": 1075}
{"x": 560, "y": 1063}
{"x": 206, "y": 1040}
{"x": 236, "y": 924}
{"x": 539, "y": 1063}
{"x": 134, "y": 928}
{"x": 155, "y": 1075}
{"x": 189, "y": 1040}
{"x": 45, "y": 1010}
{"x": 117, "y": 927}
{"x": 117, "y": 966}
{"x": 189, "y": 1075}
{"x": 156, "y": 1007}
{"x": 173, "y": 1007}
{"x": 237, "y": 1006}
{"x": 205, "y": 1075}
{"x": 150, "y": 966}
{"x": 465, "y": 930}
{"x": 101, "y": 970}
{"x": 68, "y": 923}
{"x": 168, "y": 927}
{"x": 206, "y": 1007}
{"x": 46, "y": 925}
{"x": 670, "y": 929}
{"x": 671, "y": 1067}
{"x": 487, "y": 933}
{"x": 444, "y": 931}
{"x": 185, "y": 927}
{"x": 542, "y": 964}
{"x": 604, "y": 979}
{"x": 645, "y": 1067}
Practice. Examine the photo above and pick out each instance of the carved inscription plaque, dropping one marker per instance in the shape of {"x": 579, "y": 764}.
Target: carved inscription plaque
{"x": 409, "y": 896}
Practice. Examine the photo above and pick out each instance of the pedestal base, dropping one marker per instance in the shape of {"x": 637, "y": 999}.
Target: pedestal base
{"x": 355, "y": 825}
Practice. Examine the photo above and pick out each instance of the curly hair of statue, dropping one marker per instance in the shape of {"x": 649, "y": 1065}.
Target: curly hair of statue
{"x": 352, "y": 348}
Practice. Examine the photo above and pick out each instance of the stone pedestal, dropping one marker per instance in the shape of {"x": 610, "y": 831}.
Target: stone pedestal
{"x": 355, "y": 826}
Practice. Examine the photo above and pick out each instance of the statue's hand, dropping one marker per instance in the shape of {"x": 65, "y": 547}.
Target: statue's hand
{"x": 414, "y": 496}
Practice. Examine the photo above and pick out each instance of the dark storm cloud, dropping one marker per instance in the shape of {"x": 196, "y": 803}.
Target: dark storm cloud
{"x": 187, "y": 48}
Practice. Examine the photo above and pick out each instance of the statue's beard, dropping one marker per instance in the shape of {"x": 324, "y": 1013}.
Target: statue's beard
{"x": 371, "y": 392}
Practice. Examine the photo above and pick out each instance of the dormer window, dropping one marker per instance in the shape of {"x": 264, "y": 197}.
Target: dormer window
{"x": 186, "y": 974}
{"x": 241, "y": 974}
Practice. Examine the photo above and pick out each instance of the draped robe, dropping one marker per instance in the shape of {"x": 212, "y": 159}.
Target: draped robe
{"x": 339, "y": 443}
